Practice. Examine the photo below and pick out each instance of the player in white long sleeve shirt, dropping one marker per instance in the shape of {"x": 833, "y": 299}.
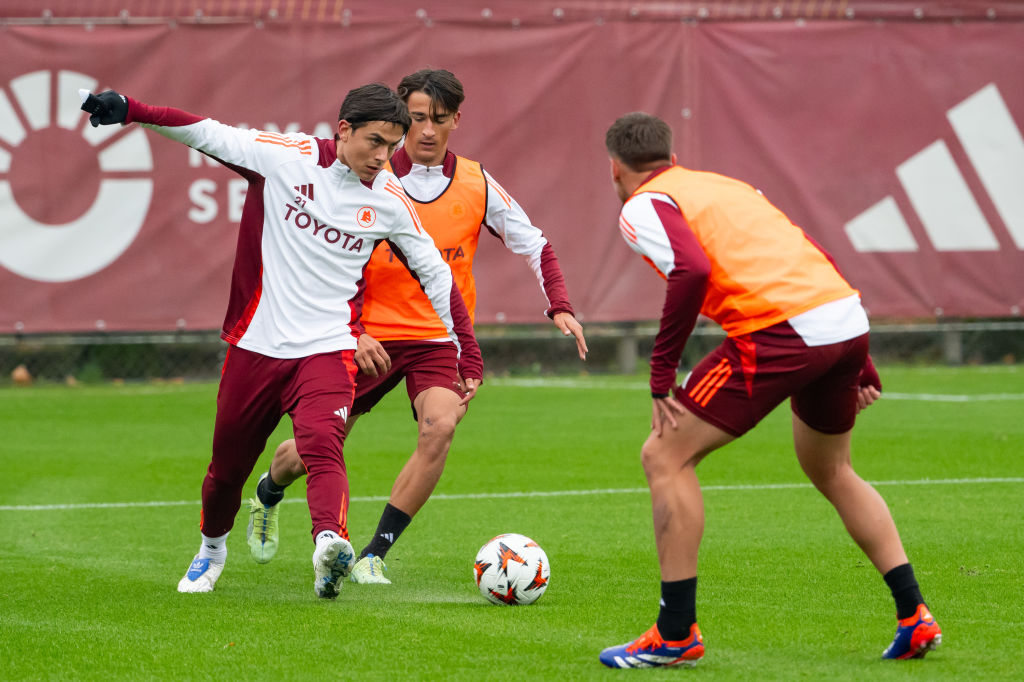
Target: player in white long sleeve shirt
{"x": 455, "y": 198}
{"x": 314, "y": 212}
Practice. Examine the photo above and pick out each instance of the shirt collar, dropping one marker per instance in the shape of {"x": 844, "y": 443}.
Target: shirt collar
{"x": 402, "y": 165}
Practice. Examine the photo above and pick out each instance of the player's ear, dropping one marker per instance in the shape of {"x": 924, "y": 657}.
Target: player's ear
{"x": 344, "y": 130}
{"x": 455, "y": 119}
{"x": 674, "y": 162}
{"x": 616, "y": 169}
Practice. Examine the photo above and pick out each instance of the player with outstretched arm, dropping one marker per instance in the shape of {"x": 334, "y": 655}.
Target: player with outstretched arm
{"x": 795, "y": 329}
{"x": 314, "y": 211}
{"x": 455, "y": 198}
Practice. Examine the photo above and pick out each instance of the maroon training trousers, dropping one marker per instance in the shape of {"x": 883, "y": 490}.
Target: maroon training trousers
{"x": 255, "y": 392}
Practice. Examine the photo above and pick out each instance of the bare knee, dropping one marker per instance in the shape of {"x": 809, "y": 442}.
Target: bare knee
{"x": 662, "y": 459}
{"x": 830, "y": 480}
{"x": 287, "y": 465}
{"x": 824, "y": 458}
{"x": 655, "y": 459}
{"x": 436, "y": 433}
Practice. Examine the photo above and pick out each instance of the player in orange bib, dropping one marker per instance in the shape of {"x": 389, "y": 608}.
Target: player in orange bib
{"x": 454, "y": 197}
{"x": 796, "y": 329}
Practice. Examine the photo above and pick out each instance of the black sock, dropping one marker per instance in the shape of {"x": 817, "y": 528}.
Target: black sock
{"x": 678, "y": 609}
{"x": 392, "y": 522}
{"x": 903, "y": 585}
{"x": 268, "y": 492}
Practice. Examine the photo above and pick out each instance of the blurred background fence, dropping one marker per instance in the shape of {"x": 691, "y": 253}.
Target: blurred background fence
{"x": 508, "y": 350}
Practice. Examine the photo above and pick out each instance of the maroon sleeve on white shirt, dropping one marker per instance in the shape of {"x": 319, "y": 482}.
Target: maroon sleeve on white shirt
{"x": 554, "y": 283}
{"x": 138, "y": 112}
{"x": 654, "y": 228}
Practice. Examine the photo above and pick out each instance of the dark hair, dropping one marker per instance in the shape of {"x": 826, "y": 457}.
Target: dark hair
{"x": 374, "y": 102}
{"x": 443, "y": 88}
{"x": 638, "y": 139}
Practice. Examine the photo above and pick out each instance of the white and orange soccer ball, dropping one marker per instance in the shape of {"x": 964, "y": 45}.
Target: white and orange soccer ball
{"x": 511, "y": 569}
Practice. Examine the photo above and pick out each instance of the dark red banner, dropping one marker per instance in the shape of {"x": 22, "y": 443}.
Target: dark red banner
{"x": 896, "y": 145}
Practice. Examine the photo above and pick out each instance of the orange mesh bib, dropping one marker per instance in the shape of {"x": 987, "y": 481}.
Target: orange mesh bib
{"x": 394, "y": 306}
{"x": 764, "y": 270}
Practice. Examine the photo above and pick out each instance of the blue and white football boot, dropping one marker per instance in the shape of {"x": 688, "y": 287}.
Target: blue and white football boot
{"x": 201, "y": 576}
{"x": 332, "y": 562}
{"x": 915, "y": 636}
{"x": 649, "y": 650}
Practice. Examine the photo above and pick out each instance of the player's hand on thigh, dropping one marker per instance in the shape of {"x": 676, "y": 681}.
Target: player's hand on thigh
{"x": 870, "y": 385}
{"x": 370, "y": 356}
{"x": 468, "y": 386}
{"x": 664, "y": 410}
{"x": 867, "y": 395}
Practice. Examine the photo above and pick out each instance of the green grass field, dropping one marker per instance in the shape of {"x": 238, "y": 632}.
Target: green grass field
{"x": 99, "y": 515}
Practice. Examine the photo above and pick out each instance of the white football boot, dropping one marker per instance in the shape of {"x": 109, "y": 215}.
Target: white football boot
{"x": 201, "y": 576}
{"x": 332, "y": 562}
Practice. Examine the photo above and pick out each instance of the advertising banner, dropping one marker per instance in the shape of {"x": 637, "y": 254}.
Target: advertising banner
{"x": 895, "y": 145}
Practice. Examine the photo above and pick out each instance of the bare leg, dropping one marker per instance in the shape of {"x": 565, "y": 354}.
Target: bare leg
{"x": 670, "y": 462}
{"x": 439, "y": 412}
{"x": 825, "y": 459}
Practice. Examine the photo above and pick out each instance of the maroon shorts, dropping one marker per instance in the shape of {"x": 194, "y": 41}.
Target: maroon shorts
{"x": 747, "y": 376}
{"x": 423, "y": 365}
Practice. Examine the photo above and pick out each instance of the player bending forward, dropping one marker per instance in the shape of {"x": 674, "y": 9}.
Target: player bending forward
{"x": 454, "y": 197}
{"x": 314, "y": 212}
{"x": 795, "y": 329}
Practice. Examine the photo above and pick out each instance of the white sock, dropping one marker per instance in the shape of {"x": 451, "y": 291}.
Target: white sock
{"x": 326, "y": 534}
{"x": 214, "y": 549}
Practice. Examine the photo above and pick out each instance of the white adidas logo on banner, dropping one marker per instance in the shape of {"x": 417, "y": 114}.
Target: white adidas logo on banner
{"x": 939, "y": 194}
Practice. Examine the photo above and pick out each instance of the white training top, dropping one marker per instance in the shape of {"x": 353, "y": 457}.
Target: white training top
{"x": 308, "y": 228}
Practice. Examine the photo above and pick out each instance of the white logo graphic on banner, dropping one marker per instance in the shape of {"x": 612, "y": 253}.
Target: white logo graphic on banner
{"x": 83, "y": 244}
{"x": 939, "y": 193}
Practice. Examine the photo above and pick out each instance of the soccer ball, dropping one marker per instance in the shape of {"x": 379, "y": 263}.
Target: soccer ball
{"x": 511, "y": 569}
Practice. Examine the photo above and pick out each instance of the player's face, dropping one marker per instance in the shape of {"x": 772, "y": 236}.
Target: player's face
{"x": 367, "y": 148}
{"x": 427, "y": 140}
